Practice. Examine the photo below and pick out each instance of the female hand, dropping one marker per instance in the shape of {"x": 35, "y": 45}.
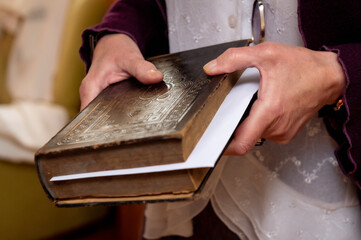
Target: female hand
{"x": 295, "y": 83}
{"x": 116, "y": 58}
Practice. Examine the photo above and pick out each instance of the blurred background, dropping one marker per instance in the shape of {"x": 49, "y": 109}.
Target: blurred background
{"x": 40, "y": 74}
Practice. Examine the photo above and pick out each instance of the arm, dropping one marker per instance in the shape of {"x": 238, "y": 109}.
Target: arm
{"x": 143, "y": 21}
{"x": 129, "y": 30}
{"x": 297, "y": 82}
{"x": 337, "y": 28}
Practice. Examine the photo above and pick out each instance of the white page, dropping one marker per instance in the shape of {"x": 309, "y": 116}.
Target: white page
{"x": 213, "y": 141}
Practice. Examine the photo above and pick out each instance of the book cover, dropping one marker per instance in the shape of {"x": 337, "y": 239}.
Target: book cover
{"x": 134, "y": 125}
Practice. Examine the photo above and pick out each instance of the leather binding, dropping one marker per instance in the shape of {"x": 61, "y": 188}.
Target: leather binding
{"x": 133, "y": 125}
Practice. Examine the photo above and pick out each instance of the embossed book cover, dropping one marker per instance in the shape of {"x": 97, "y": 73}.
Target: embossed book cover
{"x": 133, "y": 125}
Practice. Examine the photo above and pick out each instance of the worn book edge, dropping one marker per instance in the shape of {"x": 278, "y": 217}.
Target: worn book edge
{"x": 129, "y": 198}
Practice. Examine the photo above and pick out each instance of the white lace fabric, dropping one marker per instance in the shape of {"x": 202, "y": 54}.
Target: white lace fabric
{"x": 292, "y": 191}
{"x": 194, "y": 24}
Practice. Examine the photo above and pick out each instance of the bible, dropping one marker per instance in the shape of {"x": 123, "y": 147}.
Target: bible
{"x": 131, "y": 125}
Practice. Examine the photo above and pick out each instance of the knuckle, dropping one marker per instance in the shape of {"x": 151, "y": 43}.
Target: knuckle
{"x": 231, "y": 53}
{"x": 269, "y": 49}
{"x": 226, "y": 60}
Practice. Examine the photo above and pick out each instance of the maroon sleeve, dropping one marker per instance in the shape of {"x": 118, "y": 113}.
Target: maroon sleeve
{"x": 336, "y": 26}
{"x": 142, "y": 20}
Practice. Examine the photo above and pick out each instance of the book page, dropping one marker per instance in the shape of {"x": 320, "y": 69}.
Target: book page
{"x": 213, "y": 141}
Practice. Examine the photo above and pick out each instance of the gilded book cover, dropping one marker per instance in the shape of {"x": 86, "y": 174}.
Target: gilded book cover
{"x": 133, "y": 125}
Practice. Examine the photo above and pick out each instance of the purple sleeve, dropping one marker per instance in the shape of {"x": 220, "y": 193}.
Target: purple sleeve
{"x": 336, "y": 26}
{"x": 143, "y": 21}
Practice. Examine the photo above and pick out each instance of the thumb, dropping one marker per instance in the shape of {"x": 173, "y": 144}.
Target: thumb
{"x": 144, "y": 71}
{"x": 231, "y": 60}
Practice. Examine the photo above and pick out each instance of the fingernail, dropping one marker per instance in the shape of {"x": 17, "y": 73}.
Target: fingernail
{"x": 210, "y": 66}
{"x": 155, "y": 73}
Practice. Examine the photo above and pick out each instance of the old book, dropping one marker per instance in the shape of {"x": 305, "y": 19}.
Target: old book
{"x": 132, "y": 125}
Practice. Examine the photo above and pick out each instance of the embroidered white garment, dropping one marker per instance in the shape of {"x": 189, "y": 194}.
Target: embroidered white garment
{"x": 31, "y": 119}
{"x": 292, "y": 191}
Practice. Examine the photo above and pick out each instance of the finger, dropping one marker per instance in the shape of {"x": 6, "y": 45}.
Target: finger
{"x": 102, "y": 75}
{"x": 131, "y": 60}
{"x": 144, "y": 71}
{"x": 233, "y": 59}
{"x": 250, "y": 130}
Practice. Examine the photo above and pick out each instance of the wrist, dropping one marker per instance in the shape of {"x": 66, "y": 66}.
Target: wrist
{"x": 337, "y": 79}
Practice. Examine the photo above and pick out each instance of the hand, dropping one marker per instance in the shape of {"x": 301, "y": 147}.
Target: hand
{"x": 116, "y": 58}
{"x": 295, "y": 83}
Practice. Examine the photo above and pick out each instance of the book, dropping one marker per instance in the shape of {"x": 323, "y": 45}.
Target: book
{"x": 130, "y": 125}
